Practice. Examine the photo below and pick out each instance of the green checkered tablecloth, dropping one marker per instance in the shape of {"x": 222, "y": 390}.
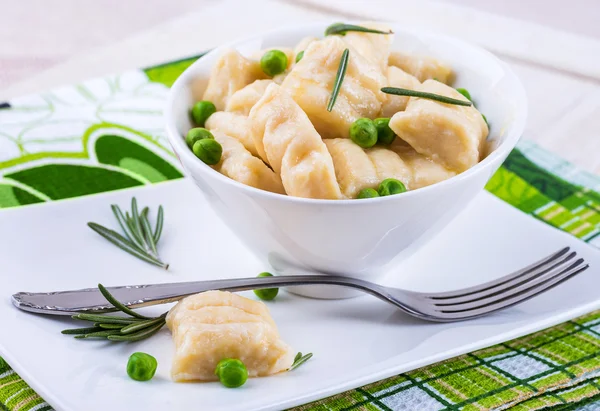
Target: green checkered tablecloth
{"x": 107, "y": 133}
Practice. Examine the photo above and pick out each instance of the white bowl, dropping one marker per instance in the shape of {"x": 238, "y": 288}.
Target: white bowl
{"x": 365, "y": 238}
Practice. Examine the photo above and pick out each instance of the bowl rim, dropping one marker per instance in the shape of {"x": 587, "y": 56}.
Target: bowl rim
{"x": 180, "y": 148}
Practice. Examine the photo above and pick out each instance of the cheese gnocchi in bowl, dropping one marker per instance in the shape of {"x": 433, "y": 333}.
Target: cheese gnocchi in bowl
{"x": 336, "y": 117}
{"x": 343, "y": 149}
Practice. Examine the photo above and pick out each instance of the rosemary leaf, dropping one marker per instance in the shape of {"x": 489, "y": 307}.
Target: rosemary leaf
{"x": 121, "y": 242}
{"x": 109, "y": 297}
{"x": 109, "y": 326}
{"x": 135, "y": 218}
{"x": 99, "y": 334}
{"x": 147, "y": 231}
{"x": 299, "y": 361}
{"x": 125, "y": 226}
{"x": 76, "y": 331}
{"x": 132, "y": 328}
{"x": 140, "y": 335}
{"x": 342, "y": 28}
{"x": 339, "y": 78}
{"x": 159, "y": 224}
{"x": 131, "y": 226}
{"x": 431, "y": 96}
{"x": 105, "y": 319}
{"x": 140, "y": 221}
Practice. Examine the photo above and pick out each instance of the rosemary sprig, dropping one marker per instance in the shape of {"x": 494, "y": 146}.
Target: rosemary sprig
{"x": 139, "y": 240}
{"x": 339, "y": 78}
{"x": 136, "y": 327}
{"x": 299, "y": 360}
{"x": 342, "y": 28}
{"x": 431, "y": 96}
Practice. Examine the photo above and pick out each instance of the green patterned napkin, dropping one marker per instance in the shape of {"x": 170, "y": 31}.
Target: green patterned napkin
{"x": 107, "y": 134}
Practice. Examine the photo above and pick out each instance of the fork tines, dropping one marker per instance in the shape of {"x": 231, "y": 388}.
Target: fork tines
{"x": 508, "y": 290}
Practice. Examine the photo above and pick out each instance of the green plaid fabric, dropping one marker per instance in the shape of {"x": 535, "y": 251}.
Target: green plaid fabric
{"x": 557, "y": 366}
{"x": 106, "y": 134}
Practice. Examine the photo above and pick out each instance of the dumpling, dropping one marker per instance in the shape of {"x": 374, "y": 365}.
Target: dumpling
{"x": 238, "y": 164}
{"x": 234, "y": 125}
{"x": 373, "y": 47}
{"x": 357, "y": 168}
{"x": 354, "y": 170}
{"x": 311, "y": 81}
{"x": 389, "y": 165}
{"x": 242, "y": 100}
{"x": 285, "y": 138}
{"x": 303, "y": 44}
{"x": 231, "y": 73}
{"x": 422, "y": 67}
{"x": 214, "y": 325}
{"x": 449, "y": 134}
{"x": 397, "y": 78}
{"x": 279, "y": 78}
{"x": 424, "y": 172}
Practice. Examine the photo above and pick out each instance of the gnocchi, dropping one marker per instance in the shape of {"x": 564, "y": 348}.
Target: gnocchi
{"x": 348, "y": 112}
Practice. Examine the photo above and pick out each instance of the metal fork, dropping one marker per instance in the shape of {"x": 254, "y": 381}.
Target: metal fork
{"x": 450, "y": 306}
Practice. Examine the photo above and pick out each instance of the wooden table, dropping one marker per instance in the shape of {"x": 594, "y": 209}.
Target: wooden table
{"x": 558, "y": 61}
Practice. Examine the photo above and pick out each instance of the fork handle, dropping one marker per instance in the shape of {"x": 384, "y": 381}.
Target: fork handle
{"x": 90, "y": 300}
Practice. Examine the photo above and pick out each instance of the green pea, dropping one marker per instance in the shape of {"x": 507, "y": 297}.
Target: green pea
{"x": 231, "y": 372}
{"x": 464, "y": 92}
{"x": 195, "y": 134}
{"x": 273, "y": 62}
{"x": 266, "y": 294}
{"x": 363, "y": 132}
{"x": 385, "y": 135}
{"x": 368, "y": 193}
{"x": 141, "y": 366}
{"x": 208, "y": 150}
{"x": 390, "y": 186}
{"x": 201, "y": 111}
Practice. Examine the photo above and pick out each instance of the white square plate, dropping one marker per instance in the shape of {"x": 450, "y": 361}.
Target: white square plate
{"x": 356, "y": 341}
